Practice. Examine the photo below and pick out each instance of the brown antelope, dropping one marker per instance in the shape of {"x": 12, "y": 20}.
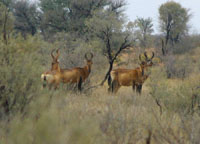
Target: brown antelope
{"x": 52, "y": 77}
{"x": 75, "y": 75}
{"x": 130, "y": 77}
{"x": 78, "y": 75}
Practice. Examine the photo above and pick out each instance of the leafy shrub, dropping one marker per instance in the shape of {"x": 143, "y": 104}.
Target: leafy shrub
{"x": 178, "y": 67}
{"x": 174, "y": 95}
{"x": 21, "y": 67}
{"x": 187, "y": 44}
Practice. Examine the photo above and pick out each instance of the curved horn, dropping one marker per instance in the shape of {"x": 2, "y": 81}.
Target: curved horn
{"x": 52, "y": 54}
{"x": 86, "y": 56}
{"x": 91, "y": 54}
{"x": 58, "y": 53}
{"x": 146, "y": 57}
{"x": 152, "y": 56}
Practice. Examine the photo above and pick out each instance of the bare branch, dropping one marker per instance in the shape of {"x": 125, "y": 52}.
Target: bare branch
{"x": 123, "y": 46}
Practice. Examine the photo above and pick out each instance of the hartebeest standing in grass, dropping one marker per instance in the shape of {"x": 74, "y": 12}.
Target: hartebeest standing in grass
{"x": 78, "y": 75}
{"x": 131, "y": 77}
{"x": 52, "y": 77}
{"x": 75, "y": 75}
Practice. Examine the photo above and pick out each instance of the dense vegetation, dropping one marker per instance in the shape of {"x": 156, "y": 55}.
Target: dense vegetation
{"x": 167, "y": 111}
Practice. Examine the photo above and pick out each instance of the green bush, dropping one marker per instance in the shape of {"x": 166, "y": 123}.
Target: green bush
{"x": 174, "y": 94}
{"x": 21, "y": 67}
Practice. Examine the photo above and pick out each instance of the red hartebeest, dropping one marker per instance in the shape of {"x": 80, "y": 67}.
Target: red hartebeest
{"x": 78, "y": 75}
{"x": 75, "y": 75}
{"x": 131, "y": 77}
{"x": 52, "y": 77}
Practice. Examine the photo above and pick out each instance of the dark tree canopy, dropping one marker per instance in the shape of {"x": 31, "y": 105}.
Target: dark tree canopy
{"x": 61, "y": 15}
{"x": 6, "y": 21}
{"x": 7, "y": 3}
{"x": 71, "y": 15}
{"x": 173, "y": 21}
{"x": 27, "y": 17}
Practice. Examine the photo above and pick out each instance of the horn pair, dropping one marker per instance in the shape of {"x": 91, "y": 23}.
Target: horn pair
{"x": 146, "y": 57}
{"x": 58, "y": 54}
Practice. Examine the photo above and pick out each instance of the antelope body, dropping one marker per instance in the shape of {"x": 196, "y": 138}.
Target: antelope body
{"x": 130, "y": 77}
{"x": 75, "y": 74}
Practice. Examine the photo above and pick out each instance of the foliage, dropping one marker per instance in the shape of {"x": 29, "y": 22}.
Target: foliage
{"x": 142, "y": 29}
{"x": 173, "y": 14}
{"x": 70, "y": 16}
{"x": 174, "y": 95}
{"x": 188, "y": 43}
{"x": 55, "y": 15}
{"x": 20, "y": 71}
{"x": 178, "y": 67}
{"x": 7, "y": 3}
{"x": 105, "y": 24}
{"x": 27, "y": 17}
{"x": 173, "y": 22}
{"x": 108, "y": 27}
{"x": 167, "y": 111}
{"x": 103, "y": 118}
{"x": 61, "y": 15}
{"x": 172, "y": 98}
{"x": 6, "y": 22}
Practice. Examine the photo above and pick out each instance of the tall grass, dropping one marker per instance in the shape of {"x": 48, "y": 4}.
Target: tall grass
{"x": 40, "y": 116}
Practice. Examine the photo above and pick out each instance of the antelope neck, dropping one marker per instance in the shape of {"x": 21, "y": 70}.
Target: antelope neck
{"x": 142, "y": 70}
{"x": 88, "y": 68}
{"x": 56, "y": 68}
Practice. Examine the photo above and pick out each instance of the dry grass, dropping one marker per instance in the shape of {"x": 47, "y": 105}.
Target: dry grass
{"x": 98, "y": 117}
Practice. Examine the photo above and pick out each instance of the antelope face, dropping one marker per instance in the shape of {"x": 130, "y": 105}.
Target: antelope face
{"x": 144, "y": 65}
{"x": 150, "y": 63}
{"x": 89, "y": 60}
{"x": 147, "y": 62}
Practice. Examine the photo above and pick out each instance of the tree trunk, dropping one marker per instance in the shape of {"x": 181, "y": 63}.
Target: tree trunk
{"x": 4, "y": 28}
{"x": 108, "y": 74}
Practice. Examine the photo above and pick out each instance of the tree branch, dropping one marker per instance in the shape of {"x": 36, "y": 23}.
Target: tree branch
{"x": 123, "y": 46}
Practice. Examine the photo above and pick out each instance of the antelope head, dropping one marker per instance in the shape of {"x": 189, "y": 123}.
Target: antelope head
{"x": 147, "y": 62}
{"x": 89, "y": 60}
{"x": 55, "y": 62}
